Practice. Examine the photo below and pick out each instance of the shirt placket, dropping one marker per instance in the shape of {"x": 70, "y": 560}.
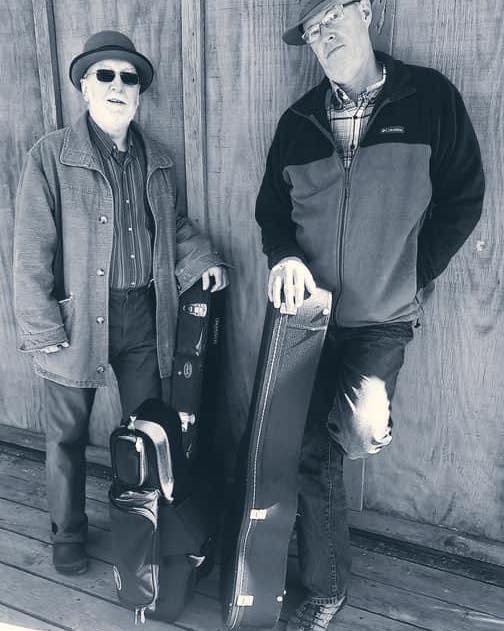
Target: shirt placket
{"x": 132, "y": 249}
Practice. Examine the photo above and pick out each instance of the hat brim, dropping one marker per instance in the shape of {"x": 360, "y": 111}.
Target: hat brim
{"x": 82, "y": 62}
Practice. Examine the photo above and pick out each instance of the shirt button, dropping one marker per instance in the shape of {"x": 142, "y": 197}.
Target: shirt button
{"x": 127, "y": 201}
{"x": 102, "y": 219}
{"x": 100, "y": 272}
{"x": 132, "y": 256}
{"x": 100, "y": 369}
{"x": 100, "y": 320}
{"x": 130, "y": 229}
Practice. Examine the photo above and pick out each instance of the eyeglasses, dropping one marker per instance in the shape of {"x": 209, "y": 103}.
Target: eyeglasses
{"x": 332, "y": 17}
{"x": 104, "y": 75}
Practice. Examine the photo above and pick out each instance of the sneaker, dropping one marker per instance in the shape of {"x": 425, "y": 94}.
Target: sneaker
{"x": 312, "y": 616}
{"x": 70, "y": 558}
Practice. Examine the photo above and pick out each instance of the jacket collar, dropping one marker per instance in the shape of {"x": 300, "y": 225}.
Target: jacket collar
{"x": 78, "y": 150}
{"x": 397, "y": 86}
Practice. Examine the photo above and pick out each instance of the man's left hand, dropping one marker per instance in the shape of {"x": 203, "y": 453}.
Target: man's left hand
{"x": 220, "y": 278}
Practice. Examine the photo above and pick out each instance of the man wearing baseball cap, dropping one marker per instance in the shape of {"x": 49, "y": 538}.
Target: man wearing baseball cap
{"x": 373, "y": 182}
{"x": 101, "y": 253}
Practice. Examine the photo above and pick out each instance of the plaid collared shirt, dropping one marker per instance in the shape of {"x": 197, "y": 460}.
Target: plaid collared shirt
{"x": 131, "y": 263}
{"x": 349, "y": 120}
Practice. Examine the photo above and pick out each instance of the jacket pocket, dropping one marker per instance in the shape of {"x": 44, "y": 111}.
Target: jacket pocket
{"x": 67, "y": 308}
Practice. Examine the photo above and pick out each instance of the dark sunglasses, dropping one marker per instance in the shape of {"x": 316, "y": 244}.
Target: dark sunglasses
{"x": 107, "y": 76}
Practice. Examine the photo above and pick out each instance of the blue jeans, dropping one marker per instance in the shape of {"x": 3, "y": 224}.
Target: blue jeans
{"x": 349, "y": 415}
{"x": 133, "y": 357}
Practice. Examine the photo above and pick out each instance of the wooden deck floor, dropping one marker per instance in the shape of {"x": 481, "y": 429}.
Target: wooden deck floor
{"x": 392, "y": 590}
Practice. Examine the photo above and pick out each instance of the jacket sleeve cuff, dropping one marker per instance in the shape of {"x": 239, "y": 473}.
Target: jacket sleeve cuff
{"x": 193, "y": 269}
{"x": 29, "y": 342}
{"x": 281, "y": 253}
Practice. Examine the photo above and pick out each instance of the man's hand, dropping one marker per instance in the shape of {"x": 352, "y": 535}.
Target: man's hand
{"x": 293, "y": 277}
{"x": 220, "y": 276}
{"x": 55, "y": 348}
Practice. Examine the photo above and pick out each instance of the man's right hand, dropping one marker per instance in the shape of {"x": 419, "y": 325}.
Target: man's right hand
{"x": 291, "y": 277}
{"x": 55, "y": 348}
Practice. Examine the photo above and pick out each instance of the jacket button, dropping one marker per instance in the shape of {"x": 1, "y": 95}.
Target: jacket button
{"x": 102, "y": 219}
{"x": 100, "y": 272}
{"x": 100, "y": 369}
{"x": 100, "y": 319}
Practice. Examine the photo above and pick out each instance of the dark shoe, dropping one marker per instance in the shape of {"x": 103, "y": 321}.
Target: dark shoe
{"x": 312, "y": 616}
{"x": 70, "y": 558}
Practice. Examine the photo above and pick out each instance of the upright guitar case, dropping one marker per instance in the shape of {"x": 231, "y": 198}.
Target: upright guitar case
{"x": 263, "y": 508}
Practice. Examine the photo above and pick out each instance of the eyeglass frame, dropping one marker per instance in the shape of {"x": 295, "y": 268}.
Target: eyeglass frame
{"x": 120, "y": 73}
{"x": 323, "y": 22}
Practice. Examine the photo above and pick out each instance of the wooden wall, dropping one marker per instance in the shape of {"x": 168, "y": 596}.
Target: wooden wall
{"x": 216, "y": 104}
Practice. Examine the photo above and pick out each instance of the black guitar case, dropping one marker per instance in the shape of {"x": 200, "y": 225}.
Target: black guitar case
{"x": 263, "y": 507}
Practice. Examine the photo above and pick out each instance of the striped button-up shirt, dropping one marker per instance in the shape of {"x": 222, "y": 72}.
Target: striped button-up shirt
{"x": 131, "y": 263}
{"x": 349, "y": 119}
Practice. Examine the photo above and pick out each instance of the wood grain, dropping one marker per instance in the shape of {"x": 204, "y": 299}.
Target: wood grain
{"x": 445, "y": 466}
{"x": 193, "y": 76}
{"x": 21, "y": 124}
{"x": 47, "y": 62}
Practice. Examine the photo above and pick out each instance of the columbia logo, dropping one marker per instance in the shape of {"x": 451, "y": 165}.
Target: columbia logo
{"x": 397, "y": 129}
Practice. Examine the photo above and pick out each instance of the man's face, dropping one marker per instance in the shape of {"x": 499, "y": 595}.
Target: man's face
{"x": 343, "y": 47}
{"x": 111, "y": 105}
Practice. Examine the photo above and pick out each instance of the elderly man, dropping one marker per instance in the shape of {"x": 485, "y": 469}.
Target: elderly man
{"x": 373, "y": 182}
{"x": 101, "y": 252}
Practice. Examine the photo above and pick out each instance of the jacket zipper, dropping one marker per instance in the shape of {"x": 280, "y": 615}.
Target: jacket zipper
{"x": 346, "y": 193}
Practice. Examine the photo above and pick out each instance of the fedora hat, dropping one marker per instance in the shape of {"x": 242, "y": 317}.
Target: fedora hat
{"x": 110, "y": 45}
{"x": 307, "y": 9}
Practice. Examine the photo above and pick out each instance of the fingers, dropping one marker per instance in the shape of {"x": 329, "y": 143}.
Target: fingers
{"x": 309, "y": 282}
{"x": 288, "y": 288}
{"x": 299, "y": 288}
{"x": 206, "y": 280}
{"x": 54, "y": 348}
{"x": 277, "y": 291}
{"x": 220, "y": 278}
{"x": 288, "y": 281}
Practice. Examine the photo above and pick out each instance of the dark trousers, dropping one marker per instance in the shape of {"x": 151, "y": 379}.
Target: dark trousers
{"x": 349, "y": 415}
{"x": 133, "y": 357}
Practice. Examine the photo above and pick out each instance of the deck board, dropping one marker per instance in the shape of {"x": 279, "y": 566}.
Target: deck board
{"x": 387, "y": 593}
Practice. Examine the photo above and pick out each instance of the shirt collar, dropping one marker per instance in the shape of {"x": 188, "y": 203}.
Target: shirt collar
{"x": 341, "y": 99}
{"x": 104, "y": 142}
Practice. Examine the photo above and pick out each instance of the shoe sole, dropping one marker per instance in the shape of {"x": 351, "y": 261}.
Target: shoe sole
{"x": 72, "y": 569}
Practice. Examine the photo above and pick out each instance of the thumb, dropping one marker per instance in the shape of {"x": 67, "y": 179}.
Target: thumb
{"x": 309, "y": 282}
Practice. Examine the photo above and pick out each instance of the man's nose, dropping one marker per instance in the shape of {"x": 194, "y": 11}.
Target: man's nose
{"x": 117, "y": 81}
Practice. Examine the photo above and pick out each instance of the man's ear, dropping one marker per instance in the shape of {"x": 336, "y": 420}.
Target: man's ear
{"x": 366, "y": 11}
{"x": 83, "y": 86}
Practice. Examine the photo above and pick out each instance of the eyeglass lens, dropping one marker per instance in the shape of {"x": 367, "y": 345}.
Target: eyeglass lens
{"x": 107, "y": 76}
{"x": 332, "y": 16}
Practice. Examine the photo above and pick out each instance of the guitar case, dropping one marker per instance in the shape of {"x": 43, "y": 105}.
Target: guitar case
{"x": 263, "y": 507}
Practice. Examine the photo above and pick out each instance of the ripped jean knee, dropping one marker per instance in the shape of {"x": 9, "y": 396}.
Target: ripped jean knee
{"x": 360, "y": 423}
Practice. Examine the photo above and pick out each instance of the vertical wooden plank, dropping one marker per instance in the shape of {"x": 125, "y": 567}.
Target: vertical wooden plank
{"x": 47, "y": 58}
{"x": 383, "y": 25}
{"x": 21, "y": 124}
{"x": 193, "y": 82}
